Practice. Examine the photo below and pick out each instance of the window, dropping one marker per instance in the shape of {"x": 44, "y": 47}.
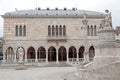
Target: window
{"x": 64, "y": 30}
{"x": 88, "y": 31}
{"x": 60, "y": 30}
{"x": 52, "y": 30}
{"x": 95, "y": 32}
{"x": 16, "y": 30}
{"x": 20, "y": 30}
{"x": 91, "y": 30}
{"x": 24, "y": 30}
{"x": 49, "y": 30}
{"x": 56, "y": 30}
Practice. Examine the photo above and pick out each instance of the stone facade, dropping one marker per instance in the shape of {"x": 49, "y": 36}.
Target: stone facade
{"x": 80, "y": 37}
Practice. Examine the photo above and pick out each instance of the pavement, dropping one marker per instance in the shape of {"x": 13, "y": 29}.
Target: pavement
{"x": 42, "y": 73}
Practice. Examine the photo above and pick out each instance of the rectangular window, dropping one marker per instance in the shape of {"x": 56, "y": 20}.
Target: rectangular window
{"x": 16, "y": 30}
{"x": 20, "y": 31}
{"x": 95, "y": 32}
{"x": 49, "y": 30}
{"x": 24, "y": 31}
{"x": 56, "y": 30}
{"x": 64, "y": 30}
{"x": 52, "y": 30}
{"x": 88, "y": 31}
{"x": 60, "y": 30}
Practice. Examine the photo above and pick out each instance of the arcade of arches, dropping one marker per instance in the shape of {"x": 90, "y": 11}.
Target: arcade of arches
{"x": 52, "y": 54}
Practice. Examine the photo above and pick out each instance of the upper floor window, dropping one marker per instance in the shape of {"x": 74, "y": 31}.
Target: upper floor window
{"x": 49, "y": 30}
{"x": 20, "y": 30}
{"x": 24, "y": 30}
{"x": 91, "y": 30}
{"x": 56, "y": 30}
{"x": 52, "y": 30}
{"x": 88, "y": 31}
{"x": 16, "y": 30}
{"x": 60, "y": 30}
{"x": 64, "y": 30}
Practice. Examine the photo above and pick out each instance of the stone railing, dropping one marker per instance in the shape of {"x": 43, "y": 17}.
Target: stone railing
{"x": 72, "y": 59}
{"x": 75, "y": 60}
{"x": 80, "y": 59}
{"x": 41, "y": 60}
{"x": 31, "y": 60}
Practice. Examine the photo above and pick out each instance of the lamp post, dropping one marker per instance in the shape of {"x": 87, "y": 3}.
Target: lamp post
{"x": 85, "y": 21}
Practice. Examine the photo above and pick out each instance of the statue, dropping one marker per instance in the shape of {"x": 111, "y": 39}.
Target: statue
{"x": 108, "y": 18}
{"x": 20, "y": 53}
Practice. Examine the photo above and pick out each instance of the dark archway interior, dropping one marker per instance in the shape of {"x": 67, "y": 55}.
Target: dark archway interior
{"x": 81, "y": 52}
{"x": 51, "y": 54}
{"x": 72, "y": 52}
{"x": 91, "y": 52}
{"x": 62, "y": 54}
{"x": 41, "y": 53}
{"x": 31, "y": 53}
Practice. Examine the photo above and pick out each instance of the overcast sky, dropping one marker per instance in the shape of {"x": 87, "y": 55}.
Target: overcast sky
{"x": 95, "y": 5}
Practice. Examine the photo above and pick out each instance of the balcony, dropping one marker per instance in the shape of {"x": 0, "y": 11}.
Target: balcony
{"x": 54, "y": 38}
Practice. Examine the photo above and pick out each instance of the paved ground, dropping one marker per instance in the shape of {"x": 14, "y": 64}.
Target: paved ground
{"x": 44, "y": 73}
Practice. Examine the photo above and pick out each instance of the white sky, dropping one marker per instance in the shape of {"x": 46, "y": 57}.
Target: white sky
{"x": 94, "y": 5}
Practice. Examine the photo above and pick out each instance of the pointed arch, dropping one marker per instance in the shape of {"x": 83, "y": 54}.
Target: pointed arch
{"x": 81, "y": 52}
{"x": 41, "y": 53}
{"x": 31, "y": 53}
{"x": 91, "y": 53}
{"x": 52, "y": 54}
{"x": 10, "y": 54}
{"x": 72, "y": 52}
{"x": 62, "y": 55}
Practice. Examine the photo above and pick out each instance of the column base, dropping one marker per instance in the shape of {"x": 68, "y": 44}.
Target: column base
{"x": 36, "y": 60}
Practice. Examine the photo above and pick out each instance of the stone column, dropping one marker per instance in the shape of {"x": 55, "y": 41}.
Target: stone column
{"x": 15, "y": 55}
{"x": 3, "y": 57}
{"x": 77, "y": 56}
{"x": 46, "y": 55}
{"x": 36, "y": 56}
{"x": 15, "y": 58}
{"x": 67, "y": 55}
{"x": 57, "y": 56}
{"x": 25, "y": 55}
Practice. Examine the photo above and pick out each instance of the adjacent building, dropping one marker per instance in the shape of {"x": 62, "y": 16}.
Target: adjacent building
{"x": 1, "y": 54}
